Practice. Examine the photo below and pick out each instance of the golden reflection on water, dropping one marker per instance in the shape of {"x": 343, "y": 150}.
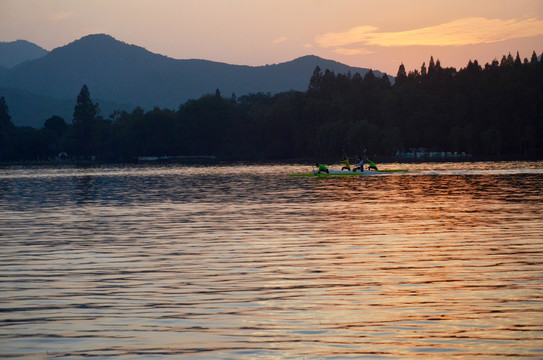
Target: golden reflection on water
{"x": 458, "y": 256}
{"x": 245, "y": 263}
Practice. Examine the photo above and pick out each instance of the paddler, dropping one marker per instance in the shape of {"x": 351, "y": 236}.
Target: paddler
{"x": 322, "y": 168}
{"x": 372, "y": 165}
{"x": 360, "y": 165}
{"x": 347, "y": 165}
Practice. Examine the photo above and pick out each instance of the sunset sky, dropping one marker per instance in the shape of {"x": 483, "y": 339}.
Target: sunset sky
{"x": 365, "y": 33}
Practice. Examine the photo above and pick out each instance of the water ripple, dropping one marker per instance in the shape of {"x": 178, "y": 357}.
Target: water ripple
{"x": 244, "y": 262}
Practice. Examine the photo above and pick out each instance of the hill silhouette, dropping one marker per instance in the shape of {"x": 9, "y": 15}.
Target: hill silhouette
{"x": 493, "y": 111}
{"x": 122, "y": 73}
{"x": 15, "y": 52}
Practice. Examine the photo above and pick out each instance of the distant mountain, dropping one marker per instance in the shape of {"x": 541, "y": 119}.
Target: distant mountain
{"x": 15, "y": 52}
{"x": 129, "y": 74}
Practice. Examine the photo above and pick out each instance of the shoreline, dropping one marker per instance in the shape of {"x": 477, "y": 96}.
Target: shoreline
{"x": 380, "y": 159}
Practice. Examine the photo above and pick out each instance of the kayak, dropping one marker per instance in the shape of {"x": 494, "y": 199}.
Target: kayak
{"x": 335, "y": 173}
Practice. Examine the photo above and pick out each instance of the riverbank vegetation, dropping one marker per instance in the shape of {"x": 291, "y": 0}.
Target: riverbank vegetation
{"x": 495, "y": 109}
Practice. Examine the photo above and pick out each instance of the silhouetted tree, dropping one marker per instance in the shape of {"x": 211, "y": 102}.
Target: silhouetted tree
{"x": 534, "y": 58}
{"x": 518, "y": 62}
{"x": 316, "y": 79}
{"x": 53, "y": 131}
{"x": 401, "y": 76}
{"x": 56, "y": 125}
{"x": 491, "y": 110}
{"x": 6, "y": 128}
{"x": 423, "y": 70}
{"x": 84, "y": 122}
{"x": 431, "y": 66}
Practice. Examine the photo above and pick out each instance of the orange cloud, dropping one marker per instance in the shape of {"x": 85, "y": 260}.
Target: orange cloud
{"x": 349, "y": 51}
{"x": 280, "y": 40}
{"x": 60, "y": 16}
{"x": 475, "y": 30}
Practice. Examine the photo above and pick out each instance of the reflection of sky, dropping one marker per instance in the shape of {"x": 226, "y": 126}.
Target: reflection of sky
{"x": 238, "y": 262}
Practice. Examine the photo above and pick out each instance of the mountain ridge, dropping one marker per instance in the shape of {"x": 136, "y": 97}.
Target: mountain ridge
{"x": 13, "y": 53}
{"x": 123, "y": 73}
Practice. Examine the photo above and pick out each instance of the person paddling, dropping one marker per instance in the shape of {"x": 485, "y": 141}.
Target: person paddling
{"x": 322, "y": 168}
{"x": 372, "y": 165}
{"x": 360, "y": 165}
{"x": 347, "y": 165}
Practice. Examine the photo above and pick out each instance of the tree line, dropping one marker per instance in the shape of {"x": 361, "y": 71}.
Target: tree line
{"x": 495, "y": 109}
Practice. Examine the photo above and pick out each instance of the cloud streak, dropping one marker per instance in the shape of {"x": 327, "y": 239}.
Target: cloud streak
{"x": 61, "y": 16}
{"x": 280, "y": 40}
{"x": 468, "y": 31}
{"x": 349, "y": 51}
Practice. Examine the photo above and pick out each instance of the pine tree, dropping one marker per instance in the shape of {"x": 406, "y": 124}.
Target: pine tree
{"x": 5, "y": 118}
{"x": 401, "y": 76}
{"x": 316, "y": 79}
{"x": 6, "y": 126}
{"x": 534, "y": 58}
{"x": 518, "y": 62}
{"x": 84, "y": 121}
{"x": 431, "y": 66}
{"x": 85, "y": 111}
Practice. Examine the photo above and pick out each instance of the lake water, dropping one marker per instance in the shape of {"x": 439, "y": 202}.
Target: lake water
{"x": 245, "y": 262}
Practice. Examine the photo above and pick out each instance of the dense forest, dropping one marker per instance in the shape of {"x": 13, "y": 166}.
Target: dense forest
{"x": 490, "y": 110}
